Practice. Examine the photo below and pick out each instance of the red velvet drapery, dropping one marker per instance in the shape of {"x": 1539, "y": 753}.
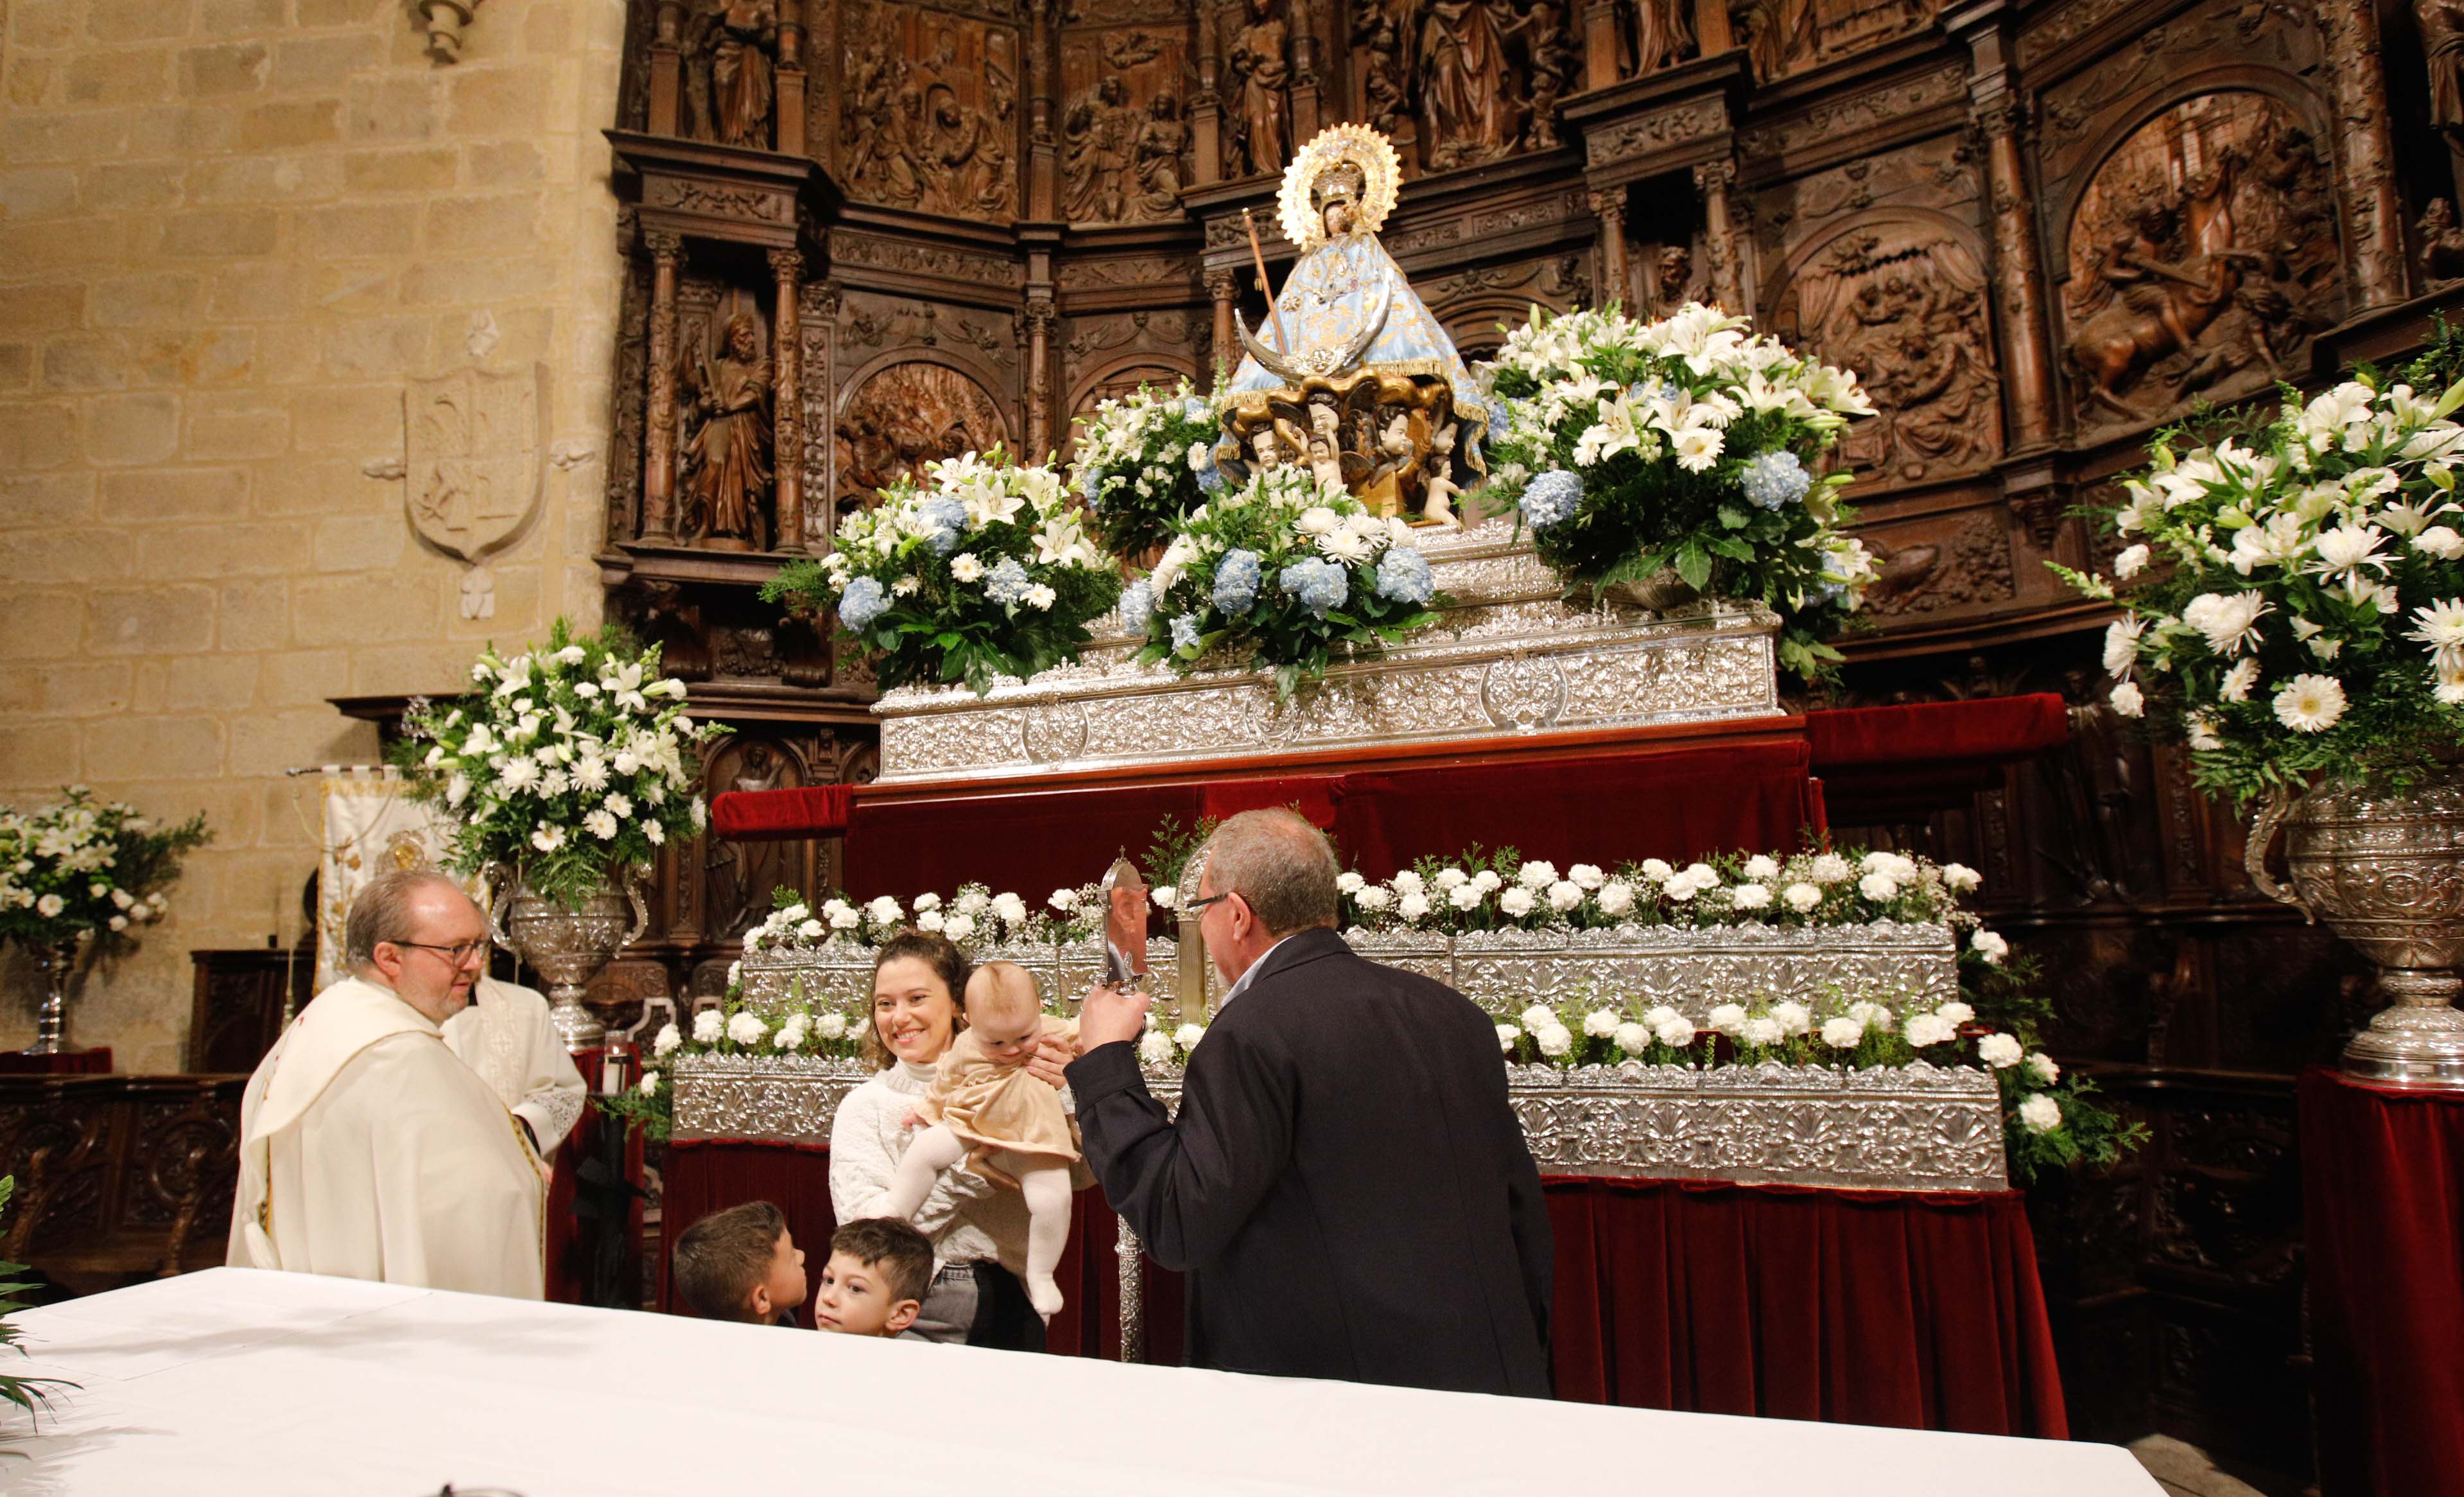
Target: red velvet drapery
{"x": 2383, "y": 1201}
{"x": 776, "y": 815}
{"x": 1856, "y": 1307}
{"x": 1600, "y": 810}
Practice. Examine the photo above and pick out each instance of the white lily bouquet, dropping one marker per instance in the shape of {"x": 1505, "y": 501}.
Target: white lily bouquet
{"x": 561, "y": 764}
{"x": 86, "y": 865}
{"x": 2294, "y": 603}
{"x": 984, "y": 571}
{"x": 1277, "y": 575}
{"x": 1684, "y": 446}
{"x": 1142, "y": 462}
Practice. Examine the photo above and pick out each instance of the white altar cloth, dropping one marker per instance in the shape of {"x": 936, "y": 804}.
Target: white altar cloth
{"x": 245, "y": 1381}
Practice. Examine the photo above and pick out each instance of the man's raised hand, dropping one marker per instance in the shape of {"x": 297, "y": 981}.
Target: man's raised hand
{"x": 1109, "y": 1015}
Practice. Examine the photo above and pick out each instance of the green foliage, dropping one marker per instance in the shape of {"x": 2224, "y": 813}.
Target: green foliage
{"x": 1134, "y": 467}
{"x": 86, "y": 865}
{"x": 1167, "y": 857}
{"x": 32, "y": 1395}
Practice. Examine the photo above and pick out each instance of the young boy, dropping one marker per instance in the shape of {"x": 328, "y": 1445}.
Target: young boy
{"x": 874, "y": 1282}
{"x": 740, "y": 1264}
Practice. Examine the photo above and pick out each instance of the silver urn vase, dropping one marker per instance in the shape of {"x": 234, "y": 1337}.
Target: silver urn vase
{"x": 57, "y": 962}
{"x": 568, "y": 947}
{"x": 2386, "y": 873}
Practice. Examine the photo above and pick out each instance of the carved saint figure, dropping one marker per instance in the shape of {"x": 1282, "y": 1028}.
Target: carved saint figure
{"x": 1465, "y": 116}
{"x": 1261, "y": 127}
{"x": 970, "y": 152}
{"x": 726, "y": 475}
{"x": 1377, "y": 50}
{"x": 1096, "y": 139}
{"x": 1551, "y": 54}
{"x": 739, "y": 50}
{"x": 1663, "y": 34}
{"x": 2442, "y": 37}
{"x": 1156, "y": 158}
{"x": 2442, "y": 242}
{"x": 1672, "y": 275}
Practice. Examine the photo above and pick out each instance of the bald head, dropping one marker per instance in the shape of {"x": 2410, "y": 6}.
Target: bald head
{"x": 415, "y": 932}
{"x": 1280, "y": 866}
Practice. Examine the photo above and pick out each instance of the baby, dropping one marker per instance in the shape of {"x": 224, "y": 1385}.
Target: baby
{"x": 986, "y": 1109}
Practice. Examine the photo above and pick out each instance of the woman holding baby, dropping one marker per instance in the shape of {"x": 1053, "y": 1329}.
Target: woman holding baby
{"x": 980, "y": 1229}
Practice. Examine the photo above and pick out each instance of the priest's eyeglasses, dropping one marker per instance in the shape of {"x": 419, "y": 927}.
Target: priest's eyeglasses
{"x": 459, "y": 956}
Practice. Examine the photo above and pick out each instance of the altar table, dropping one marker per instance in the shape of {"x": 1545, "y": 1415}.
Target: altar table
{"x": 1915, "y": 1310}
{"x": 242, "y": 1381}
{"x": 2382, "y": 1200}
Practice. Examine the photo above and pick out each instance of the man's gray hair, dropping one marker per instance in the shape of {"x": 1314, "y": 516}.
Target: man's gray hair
{"x": 1281, "y": 865}
{"x": 382, "y": 912}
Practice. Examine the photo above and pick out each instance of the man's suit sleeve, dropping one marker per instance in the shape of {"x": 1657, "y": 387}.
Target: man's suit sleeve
{"x": 1536, "y": 1240}
{"x": 1187, "y": 1187}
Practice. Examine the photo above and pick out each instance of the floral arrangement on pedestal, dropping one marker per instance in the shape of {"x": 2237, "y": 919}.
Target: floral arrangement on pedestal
{"x": 984, "y": 571}
{"x": 2294, "y": 603}
{"x": 973, "y": 916}
{"x": 1280, "y": 574}
{"x": 1142, "y": 463}
{"x": 1685, "y": 447}
{"x": 83, "y": 866}
{"x": 562, "y": 764}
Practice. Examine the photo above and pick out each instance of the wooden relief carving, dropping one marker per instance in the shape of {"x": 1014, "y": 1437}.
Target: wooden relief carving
{"x": 1945, "y": 562}
{"x": 1487, "y": 79}
{"x": 905, "y": 416}
{"x": 1786, "y": 36}
{"x": 1125, "y": 136}
{"x": 1902, "y": 303}
{"x": 929, "y": 113}
{"x": 738, "y": 877}
{"x": 2201, "y": 256}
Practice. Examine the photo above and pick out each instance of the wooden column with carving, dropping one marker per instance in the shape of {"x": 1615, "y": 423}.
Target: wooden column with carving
{"x": 2365, "y": 153}
{"x": 1609, "y": 203}
{"x": 1599, "y": 43}
{"x": 823, "y": 374}
{"x": 788, "y": 421}
{"x": 1224, "y": 285}
{"x": 1041, "y": 315}
{"x": 1305, "y": 84}
{"x": 790, "y": 132}
{"x": 667, "y": 66}
{"x": 1043, "y": 156}
{"x": 2019, "y": 293}
{"x": 1207, "y": 109}
{"x": 1711, "y": 179}
{"x": 659, "y": 414}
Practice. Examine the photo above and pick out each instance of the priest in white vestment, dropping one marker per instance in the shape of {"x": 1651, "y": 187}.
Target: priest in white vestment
{"x": 506, "y": 1036}
{"x": 367, "y": 1149}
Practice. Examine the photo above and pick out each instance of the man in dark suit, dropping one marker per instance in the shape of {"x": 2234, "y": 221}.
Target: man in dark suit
{"x": 1346, "y": 1187}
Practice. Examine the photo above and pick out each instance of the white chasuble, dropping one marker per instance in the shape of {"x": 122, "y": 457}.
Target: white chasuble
{"x": 367, "y": 1151}
{"x": 505, "y": 1036}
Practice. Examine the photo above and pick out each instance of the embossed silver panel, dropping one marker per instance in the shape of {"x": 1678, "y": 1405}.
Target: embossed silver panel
{"x": 1510, "y": 656}
{"x": 1914, "y": 1128}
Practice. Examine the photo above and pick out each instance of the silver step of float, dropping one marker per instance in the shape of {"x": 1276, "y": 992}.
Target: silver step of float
{"x": 1510, "y": 657}
{"x": 1916, "y": 1127}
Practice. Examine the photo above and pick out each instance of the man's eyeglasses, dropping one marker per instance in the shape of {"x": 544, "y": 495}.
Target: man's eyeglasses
{"x": 458, "y": 955}
{"x": 1199, "y": 905}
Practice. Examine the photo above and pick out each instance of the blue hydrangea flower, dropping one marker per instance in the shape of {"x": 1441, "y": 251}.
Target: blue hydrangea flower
{"x": 1185, "y": 632}
{"x": 1196, "y": 408}
{"x": 1007, "y": 581}
{"x": 1321, "y": 584}
{"x": 1550, "y": 496}
{"x": 1236, "y": 581}
{"x": 861, "y": 604}
{"x": 948, "y": 517}
{"x": 1403, "y": 574}
{"x": 1091, "y": 485}
{"x": 1210, "y": 479}
{"x": 1137, "y": 605}
{"x": 1773, "y": 480}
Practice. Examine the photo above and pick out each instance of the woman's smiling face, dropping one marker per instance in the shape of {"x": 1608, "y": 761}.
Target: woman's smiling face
{"x": 912, "y": 1010}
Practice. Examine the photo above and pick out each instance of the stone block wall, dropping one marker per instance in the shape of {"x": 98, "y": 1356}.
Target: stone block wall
{"x": 230, "y": 230}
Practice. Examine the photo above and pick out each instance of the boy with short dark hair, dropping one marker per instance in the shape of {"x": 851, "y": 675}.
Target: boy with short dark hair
{"x": 741, "y": 1263}
{"x": 875, "y": 1279}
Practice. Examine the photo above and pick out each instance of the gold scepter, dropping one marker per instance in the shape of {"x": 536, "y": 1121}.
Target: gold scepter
{"x": 1282, "y": 340}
